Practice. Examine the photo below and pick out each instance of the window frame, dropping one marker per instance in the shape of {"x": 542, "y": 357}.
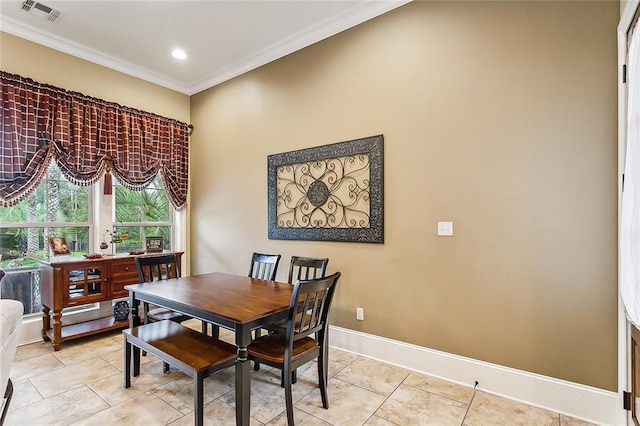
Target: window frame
{"x": 171, "y": 223}
{"x": 43, "y": 227}
{"x": 100, "y": 216}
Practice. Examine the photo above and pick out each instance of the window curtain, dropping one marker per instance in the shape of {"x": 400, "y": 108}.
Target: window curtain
{"x": 630, "y": 207}
{"x": 87, "y": 137}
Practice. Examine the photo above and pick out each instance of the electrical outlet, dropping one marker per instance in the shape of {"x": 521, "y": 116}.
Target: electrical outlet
{"x": 360, "y": 314}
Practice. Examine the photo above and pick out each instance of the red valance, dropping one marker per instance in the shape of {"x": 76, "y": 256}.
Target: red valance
{"x": 86, "y": 136}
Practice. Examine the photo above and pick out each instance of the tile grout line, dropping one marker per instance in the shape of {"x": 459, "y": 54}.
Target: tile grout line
{"x": 385, "y": 400}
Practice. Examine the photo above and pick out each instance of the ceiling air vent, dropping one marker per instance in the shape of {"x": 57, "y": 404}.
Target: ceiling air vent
{"x": 41, "y": 10}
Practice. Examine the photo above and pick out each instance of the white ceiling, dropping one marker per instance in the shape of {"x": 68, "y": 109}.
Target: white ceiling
{"x": 222, "y": 38}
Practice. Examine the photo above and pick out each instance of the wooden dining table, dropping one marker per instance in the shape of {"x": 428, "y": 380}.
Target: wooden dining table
{"x": 238, "y": 303}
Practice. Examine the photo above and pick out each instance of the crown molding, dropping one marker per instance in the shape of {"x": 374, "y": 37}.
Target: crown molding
{"x": 359, "y": 13}
{"x": 352, "y": 17}
{"x": 60, "y": 44}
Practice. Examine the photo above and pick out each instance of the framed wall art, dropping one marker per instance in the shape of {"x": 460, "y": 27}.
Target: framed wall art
{"x": 332, "y": 192}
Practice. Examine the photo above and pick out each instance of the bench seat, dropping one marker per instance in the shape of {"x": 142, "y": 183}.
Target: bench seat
{"x": 190, "y": 351}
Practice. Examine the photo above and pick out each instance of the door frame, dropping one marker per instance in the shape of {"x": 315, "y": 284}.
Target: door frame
{"x": 625, "y": 381}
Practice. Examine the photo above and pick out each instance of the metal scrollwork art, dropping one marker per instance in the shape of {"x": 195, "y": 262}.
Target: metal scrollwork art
{"x": 332, "y": 192}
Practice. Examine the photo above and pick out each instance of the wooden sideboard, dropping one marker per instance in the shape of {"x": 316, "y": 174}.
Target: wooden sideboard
{"x": 69, "y": 281}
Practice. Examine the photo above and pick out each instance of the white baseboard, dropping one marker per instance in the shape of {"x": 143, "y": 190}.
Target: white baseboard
{"x": 583, "y": 402}
{"x": 30, "y": 331}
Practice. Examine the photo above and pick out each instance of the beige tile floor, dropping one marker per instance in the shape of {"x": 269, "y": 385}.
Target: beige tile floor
{"x": 82, "y": 385}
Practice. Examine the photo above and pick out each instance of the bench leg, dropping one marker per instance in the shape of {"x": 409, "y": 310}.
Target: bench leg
{"x": 198, "y": 399}
{"x": 136, "y": 360}
{"x": 127, "y": 363}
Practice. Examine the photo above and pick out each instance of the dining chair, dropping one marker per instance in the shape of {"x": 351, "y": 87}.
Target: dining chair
{"x": 307, "y": 316}
{"x": 262, "y": 266}
{"x": 300, "y": 268}
{"x": 155, "y": 268}
{"x": 307, "y": 268}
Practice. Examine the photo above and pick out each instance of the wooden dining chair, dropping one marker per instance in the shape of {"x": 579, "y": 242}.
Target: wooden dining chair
{"x": 305, "y": 338}
{"x": 262, "y": 266}
{"x": 307, "y": 268}
{"x": 155, "y": 268}
{"x": 300, "y": 268}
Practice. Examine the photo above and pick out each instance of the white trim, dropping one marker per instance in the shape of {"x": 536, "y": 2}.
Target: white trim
{"x": 583, "y": 402}
{"x": 72, "y": 48}
{"x": 626, "y": 17}
{"x": 180, "y": 239}
{"x": 31, "y": 330}
{"x": 362, "y": 11}
{"x": 624, "y": 362}
{"x": 356, "y": 15}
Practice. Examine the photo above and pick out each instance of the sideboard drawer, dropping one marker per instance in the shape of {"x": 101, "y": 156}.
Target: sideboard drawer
{"x": 123, "y": 272}
{"x": 123, "y": 268}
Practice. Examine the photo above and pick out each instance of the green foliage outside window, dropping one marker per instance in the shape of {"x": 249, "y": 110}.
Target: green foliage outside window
{"x": 141, "y": 214}
{"x": 25, "y": 228}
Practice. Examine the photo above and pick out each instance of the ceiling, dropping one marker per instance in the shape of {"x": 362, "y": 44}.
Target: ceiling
{"x": 222, "y": 39}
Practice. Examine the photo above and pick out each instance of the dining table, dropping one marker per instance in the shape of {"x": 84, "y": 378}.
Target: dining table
{"x": 235, "y": 302}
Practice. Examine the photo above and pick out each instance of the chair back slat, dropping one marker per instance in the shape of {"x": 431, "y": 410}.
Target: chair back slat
{"x": 264, "y": 266}
{"x": 309, "y": 308}
{"x": 307, "y": 268}
{"x": 155, "y": 268}
{"x": 310, "y": 313}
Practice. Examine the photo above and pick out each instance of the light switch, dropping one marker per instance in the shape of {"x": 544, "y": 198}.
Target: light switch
{"x": 445, "y": 229}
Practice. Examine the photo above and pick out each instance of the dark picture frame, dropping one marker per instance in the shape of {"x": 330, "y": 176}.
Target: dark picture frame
{"x": 331, "y": 192}
{"x": 155, "y": 244}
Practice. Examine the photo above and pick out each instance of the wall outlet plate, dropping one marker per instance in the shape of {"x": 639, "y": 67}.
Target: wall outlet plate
{"x": 445, "y": 229}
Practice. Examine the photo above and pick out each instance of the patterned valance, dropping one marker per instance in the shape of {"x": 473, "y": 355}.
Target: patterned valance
{"x": 87, "y": 137}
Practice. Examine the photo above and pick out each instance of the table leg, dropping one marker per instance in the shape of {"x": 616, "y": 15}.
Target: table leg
{"x": 127, "y": 363}
{"x": 134, "y": 321}
{"x": 243, "y": 378}
{"x": 134, "y": 317}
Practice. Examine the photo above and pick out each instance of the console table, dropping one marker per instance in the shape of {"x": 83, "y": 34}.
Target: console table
{"x": 74, "y": 281}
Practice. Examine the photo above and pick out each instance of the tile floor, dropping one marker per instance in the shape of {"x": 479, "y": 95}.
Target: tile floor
{"x": 82, "y": 385}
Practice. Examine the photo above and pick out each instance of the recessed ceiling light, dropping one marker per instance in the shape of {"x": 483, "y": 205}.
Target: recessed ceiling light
{"x": 179, "y": 54}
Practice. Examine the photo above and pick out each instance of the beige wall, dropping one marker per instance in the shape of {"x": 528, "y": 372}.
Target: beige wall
{"x": 19, "y": 56}
{"x": 498, "y": 116}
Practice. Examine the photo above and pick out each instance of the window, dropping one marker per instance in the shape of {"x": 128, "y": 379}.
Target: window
{"x": 84, "y": 218}
{"x": 56, "y": 209}
{"x": 139, "y": 215}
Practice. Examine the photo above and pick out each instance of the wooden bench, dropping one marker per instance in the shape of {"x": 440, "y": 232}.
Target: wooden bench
{"x": 190, "y": 351}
